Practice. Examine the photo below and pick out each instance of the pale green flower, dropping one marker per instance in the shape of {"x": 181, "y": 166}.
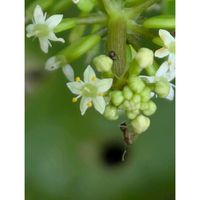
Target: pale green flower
{"x": 44, "y": 28}
{"x": 91, "y": 90}
{"x": 168, "y": 48}
{"x": 163, "y": 72}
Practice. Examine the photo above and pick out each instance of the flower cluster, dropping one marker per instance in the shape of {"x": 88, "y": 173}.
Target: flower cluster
{"x": 130, "y": 79}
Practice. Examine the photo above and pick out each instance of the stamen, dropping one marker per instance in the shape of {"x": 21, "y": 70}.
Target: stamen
{"x": 89, "y": 104}
{"x": 94, "y": 78}
{"x": 74, "y": 100}
{"x": 78, "y": 79}
{"x": 100, "y": 94}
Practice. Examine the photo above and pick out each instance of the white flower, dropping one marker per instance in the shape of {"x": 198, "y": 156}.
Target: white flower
{"x": 44, "y": 28}
{"x": 75, "y": 1}
{"x": 168, "y": 49}
{"x": 163, "y": 72}
{"x": 91, "y": 90}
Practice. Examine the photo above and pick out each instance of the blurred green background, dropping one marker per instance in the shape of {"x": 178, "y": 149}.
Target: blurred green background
{"x": 70, "y": 157}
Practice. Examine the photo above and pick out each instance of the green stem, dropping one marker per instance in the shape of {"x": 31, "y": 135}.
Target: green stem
{"x": 69, "y": 23}
{"x": 117, "y": 42}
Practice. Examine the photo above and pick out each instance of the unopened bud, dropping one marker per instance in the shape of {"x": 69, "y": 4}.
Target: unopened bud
{"x": 162, "y": 88}
{"x": 132, "y": 115}
{"x": 111, "y": 113}
{"x": 151, "y": 108}
{"x": 136, "y": 84}
{"x": 144, "y": 57}
{"x": 140, "y": 124}
{"x": 127, "y": 93}
{"x": 117, "y": 97}
{"x": 145, "y": 94}
{"x": 103, "y": 63}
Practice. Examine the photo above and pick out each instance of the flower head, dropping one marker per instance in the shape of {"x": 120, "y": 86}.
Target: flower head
{"x": 44, "y": 28}
{"x": 168, "y": 48}
{"x": 91, "y": 90}
{"x": 163, "y": 73}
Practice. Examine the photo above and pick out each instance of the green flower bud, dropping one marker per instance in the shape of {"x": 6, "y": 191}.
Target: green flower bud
{"x": 132, "y": 115}
{"x": 111, "y": 113}
{"x": 103, "y": 63}
{"x": 131, "y": 105}
{"x": 144, "y": 106}
{"x": 117, "y": 97}
{"x": 140, "y": 124}
{"x": 85, "y": 5}
{"x": 136, "y": 84}
{"x": 162, "y": 88}
{"x": 127, "y": 93}
{"x": 145, "y": 94}
{"x": 144, "y": 57}
{"x": 136, "y": 98}
{"x": 151, "y": 108}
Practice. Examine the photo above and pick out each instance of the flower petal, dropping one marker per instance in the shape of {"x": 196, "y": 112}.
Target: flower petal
{"x": 44, "y": 44}
{"x": 171, "y": 94}
{"x": 52, "y": 63}
{"x": 54, "y": 20}
{"x": 75, "y": 87}
{"x": 89, "y": 74}
{"x": 162, "y": 52}
{"x": 161, "y": 72}
{"x": 53, "y": 37}
{"x": 39, "y": 18}
{"x": 166, "y": 37}
{"x": 104, "y": 85}
{"x": 149, "y": 79}
{"x": 99, "y": 104}
{"x": 68, "y": 72}
{"x": 83, "y": 104}
{"x": 75, "y": 1}
{"x": 30, "y": 30}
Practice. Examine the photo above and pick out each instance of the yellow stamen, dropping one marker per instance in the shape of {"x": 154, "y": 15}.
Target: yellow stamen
{"x": 78, "y": 79}
{"x": 74, "y": 100}
{"x": 100, "y": 94}
{"x": 89, "y": 104}
{"x": 94, "y": 78}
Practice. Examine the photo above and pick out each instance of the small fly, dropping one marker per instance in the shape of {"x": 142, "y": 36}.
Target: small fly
{"x": 113, "y": 55}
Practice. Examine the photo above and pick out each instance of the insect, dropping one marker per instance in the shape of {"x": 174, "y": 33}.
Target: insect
{"x": 127, "y": 137}
{"x": 112, "y": 55}
{"x": 127, "y": 134}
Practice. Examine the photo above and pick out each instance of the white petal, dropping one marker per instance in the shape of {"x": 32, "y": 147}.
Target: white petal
{"x": 99, "y": 104}
{"x": 52, "y": 63}
{"x": 53, "y": 37}
{"x": 89, "y": 74}
{"x": 171, "y": 61}
{"x": 83, "y": 104}
{"x": 75, "y": 87}
{"x": 39, "y": 18}
{"x": 68, "y": 72}
{"x": 30, "y": 30}
{"x": 171, "y": 94}
{"x": 44, "y": 44}
{"x": 152, "y": 94}
{"x": 161, "y": 53}
{"x": 166, "y": 37}
{"x": 75, "y": 1}
{"x": 104, "y": 85}
{"x": 149, "y": 79}
{"x": 54, "y": 20}
{"x": 170, "y": 75}
{"x": 162, "y": 69}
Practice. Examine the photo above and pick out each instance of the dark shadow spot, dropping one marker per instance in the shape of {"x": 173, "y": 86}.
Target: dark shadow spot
{"x": 113, "y": 153}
